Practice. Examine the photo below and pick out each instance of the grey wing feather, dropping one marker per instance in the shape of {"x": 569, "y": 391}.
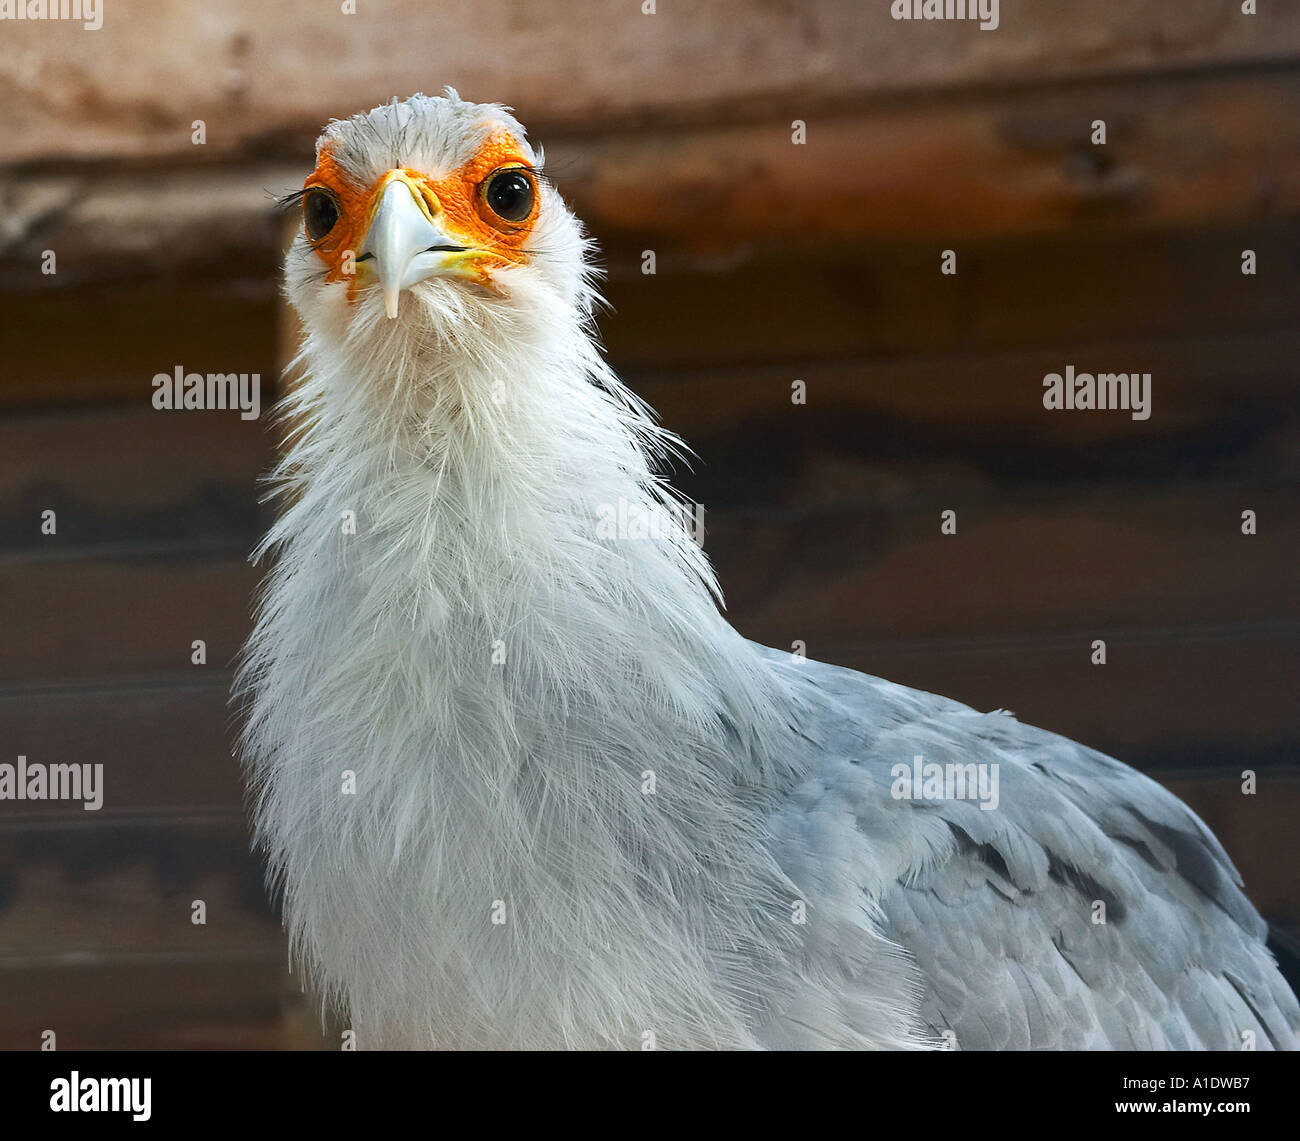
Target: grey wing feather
{"x": 1000, "y": 908}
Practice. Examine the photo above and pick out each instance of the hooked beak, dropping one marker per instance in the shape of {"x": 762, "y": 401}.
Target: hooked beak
{"x": 406, "y": 242}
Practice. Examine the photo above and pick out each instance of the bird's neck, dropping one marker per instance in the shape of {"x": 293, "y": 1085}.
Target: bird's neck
{"x": 498, "y": 528}
{"x": 538, "y": 698}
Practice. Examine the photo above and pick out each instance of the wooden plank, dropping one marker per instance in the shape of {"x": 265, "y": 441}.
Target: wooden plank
{"x": 72, "y": 619}
{"x": 148, "y": 1003}
{"x": 166, "y": 745}
{"x": 1164, "y": 701}
{"x": 1180, "y": 301}
{"x": 883, "y": 300}
{"x": 90, "y": 344}
{"x": 872, "y": 430}
{"x": 1121, "y": 284}
{"x": 992, "y": 164}
{"x": 252, "y": 71}
{"x": 99, "y": 904}
{"x": 123, "y": 914}
{"x": 989, "y": 164}
{"x": 99, "y": 946}
{"x": 184, "y": 481}
{"x": 863, "y": 554}
{"x": 129, "y": 457}
{"x": 1212, "y": 398}
{"x": 1117, "y": 560}
{"x": 175, "y": 851}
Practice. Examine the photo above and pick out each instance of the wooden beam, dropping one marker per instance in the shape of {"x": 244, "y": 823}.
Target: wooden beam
{"x": 255, "y": 71}
{"x": 1026, "y": 580}
{"x": 1183, "y": 151}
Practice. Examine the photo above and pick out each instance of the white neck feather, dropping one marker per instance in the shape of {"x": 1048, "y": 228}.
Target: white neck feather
{"x": 508, "y": 683}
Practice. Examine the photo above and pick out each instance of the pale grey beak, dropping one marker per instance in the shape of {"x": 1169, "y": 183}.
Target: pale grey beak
{"x": 403, "y": 246}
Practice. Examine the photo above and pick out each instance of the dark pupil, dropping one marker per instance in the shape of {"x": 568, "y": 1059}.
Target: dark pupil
{"x": 319, "y": 214}
{"x": 511, "y": 195}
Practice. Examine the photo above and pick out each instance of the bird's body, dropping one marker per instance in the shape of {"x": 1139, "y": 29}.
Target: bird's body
{"x": 525, "y": 786}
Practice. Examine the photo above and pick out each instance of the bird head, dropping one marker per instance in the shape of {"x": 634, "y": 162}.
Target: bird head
{"x": 432, "y": 215}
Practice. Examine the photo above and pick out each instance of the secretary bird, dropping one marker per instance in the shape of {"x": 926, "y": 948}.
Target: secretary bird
{"x": 524, "y": 786}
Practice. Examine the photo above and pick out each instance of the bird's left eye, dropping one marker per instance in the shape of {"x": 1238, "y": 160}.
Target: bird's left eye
{"x": 320, "y": 213}
{"x": 510, "y": 194}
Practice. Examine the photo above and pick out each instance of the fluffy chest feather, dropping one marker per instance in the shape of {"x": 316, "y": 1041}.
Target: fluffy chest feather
{"x": 506, "y": 768}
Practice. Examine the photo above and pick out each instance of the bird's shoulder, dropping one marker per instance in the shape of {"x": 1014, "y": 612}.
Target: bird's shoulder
{"x": 1061, "y": 900}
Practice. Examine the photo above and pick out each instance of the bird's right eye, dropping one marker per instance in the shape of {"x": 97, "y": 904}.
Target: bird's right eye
{"x": 320, "y": 213}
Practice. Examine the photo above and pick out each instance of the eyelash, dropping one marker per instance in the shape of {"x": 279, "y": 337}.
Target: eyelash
{"x": 295, "y": 197}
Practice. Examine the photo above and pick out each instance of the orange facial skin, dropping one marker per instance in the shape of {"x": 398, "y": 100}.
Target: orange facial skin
{"x": 456, "y": 203}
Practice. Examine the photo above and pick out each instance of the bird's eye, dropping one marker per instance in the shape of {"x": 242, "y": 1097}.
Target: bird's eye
{"x": 509, "y": 193}
{"x": 320, "y": 212}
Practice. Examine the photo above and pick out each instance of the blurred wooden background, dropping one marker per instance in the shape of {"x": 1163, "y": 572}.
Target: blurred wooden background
{"x": 775, "y": 262}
